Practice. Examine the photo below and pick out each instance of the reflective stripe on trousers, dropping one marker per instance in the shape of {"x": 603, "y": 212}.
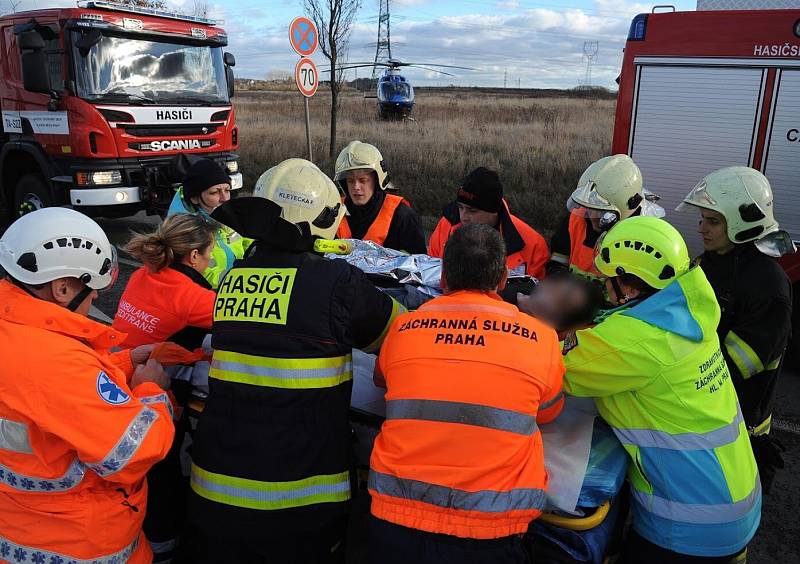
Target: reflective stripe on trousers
{"x": 14, "y": 552}
{"x": 255, "y": 494}
{"x": 463, "y": 413}
{"x": 762, "y": 428}
{"x": 649, "y": 438}
{"x": 163, "y": 552}
{"x": 699, "y": 513}
{"x": 289, "y": 373}
{"x": 486, "y": 501}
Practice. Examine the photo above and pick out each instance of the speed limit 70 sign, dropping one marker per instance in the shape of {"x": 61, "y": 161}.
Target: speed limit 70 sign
{"x": 306, "y": 77}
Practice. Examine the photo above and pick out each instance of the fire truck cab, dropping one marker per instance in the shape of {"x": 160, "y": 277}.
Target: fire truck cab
{"x": 713, "y": 88}
{"x": 105, "y": 105}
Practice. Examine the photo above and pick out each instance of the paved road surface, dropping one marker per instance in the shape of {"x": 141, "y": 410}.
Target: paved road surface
{"x": 778, "y": 540}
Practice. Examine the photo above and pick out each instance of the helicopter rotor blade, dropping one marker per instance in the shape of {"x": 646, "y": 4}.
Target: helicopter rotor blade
{"x": 436, "y": 65}
{"x": 328, "y": 68}
{"x": 346, "y": 66}
{"x": 367, "y": 63}
{"x": 431, "y": 70}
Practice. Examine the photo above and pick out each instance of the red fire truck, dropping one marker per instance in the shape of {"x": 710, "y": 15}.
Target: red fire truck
{"x": 105, "y": 105}
{"x": 712, "y": 88}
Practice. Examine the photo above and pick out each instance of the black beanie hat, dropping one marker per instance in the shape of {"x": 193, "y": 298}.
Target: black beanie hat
{"x": 483, "y": 190}
{"x": 202, "y": 175}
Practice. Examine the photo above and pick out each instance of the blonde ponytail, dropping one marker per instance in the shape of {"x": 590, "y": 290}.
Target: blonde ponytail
{"x": 175, "y": 238}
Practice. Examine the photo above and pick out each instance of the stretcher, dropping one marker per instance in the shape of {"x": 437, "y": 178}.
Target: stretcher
{"x": 585, "y": 462}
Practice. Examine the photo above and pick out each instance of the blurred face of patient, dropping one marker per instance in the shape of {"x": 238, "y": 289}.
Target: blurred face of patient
{"x": 555, "y": 301}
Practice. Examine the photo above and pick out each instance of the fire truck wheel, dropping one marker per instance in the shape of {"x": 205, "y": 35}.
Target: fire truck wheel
{"x": 31, "y": 194}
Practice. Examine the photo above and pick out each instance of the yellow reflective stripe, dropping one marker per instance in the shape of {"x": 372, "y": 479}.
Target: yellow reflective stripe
{"x": 397, "y": 310}
{"x": 762, "y": 428}
{"x": 740, "y": 559}
{"x": 774, "y": 364}
{"x": 743, "y": 356}
{"x": 290, "y": 373}
{"x": 255, "y": 494}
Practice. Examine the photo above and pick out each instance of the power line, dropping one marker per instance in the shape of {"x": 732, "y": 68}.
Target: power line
{"x": 383, "y": 48}
{"x": 590, "y": 49}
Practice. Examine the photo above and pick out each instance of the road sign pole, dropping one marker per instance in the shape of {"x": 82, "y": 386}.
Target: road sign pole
{"x": 304, "y": 39}
{"x": 308, "y": 130}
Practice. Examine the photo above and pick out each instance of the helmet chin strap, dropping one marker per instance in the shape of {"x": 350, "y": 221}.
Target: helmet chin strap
{"x": 79, "y": 298}
{"x": 622, "y": 298}
{"x": 72, "y": 305}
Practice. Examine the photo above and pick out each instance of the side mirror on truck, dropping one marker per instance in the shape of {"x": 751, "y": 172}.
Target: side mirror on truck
{"x": 230, "y": 61}
{"x": 35, "y": 74}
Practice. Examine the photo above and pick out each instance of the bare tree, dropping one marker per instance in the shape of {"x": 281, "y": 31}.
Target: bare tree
{"x": 334, "y": 20}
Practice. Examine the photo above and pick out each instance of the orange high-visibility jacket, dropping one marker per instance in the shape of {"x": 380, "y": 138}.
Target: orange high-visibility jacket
{"x": 569, "y": 247}
{"x": 526, "y": 249}
{"x": 581, "y": 256}
{"x": 175, "y": 304}
{"x": 75, "y": 440}
{"x": 379, "y": 229}
{"x": 468, "y": 378}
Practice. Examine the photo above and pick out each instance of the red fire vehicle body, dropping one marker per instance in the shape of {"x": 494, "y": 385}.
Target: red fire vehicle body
{"x": 105, "y": 105}
{"x": 707, "y": 89}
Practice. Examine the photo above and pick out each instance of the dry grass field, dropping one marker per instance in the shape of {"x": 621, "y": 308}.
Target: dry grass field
{"x": 538, "y": 145}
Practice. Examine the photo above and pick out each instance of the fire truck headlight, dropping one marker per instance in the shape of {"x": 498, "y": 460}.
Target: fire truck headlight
{"x": 232, "y": 166}
{"x": 99, "y": 178}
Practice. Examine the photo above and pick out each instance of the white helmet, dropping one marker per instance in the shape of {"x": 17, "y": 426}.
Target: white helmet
{"x": 744, "y": 197}
{"x": 306, "y": 195}
{"x": 612, "y": 184}
{"x": 53, "y": 243}
{"x": 361, "y": 156}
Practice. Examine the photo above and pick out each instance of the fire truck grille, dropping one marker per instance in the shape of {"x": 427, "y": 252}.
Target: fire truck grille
{"x": 193, "y": 129}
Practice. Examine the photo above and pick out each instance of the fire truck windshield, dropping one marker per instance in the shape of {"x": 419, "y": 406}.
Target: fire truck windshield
{"x": 128, "y": 69}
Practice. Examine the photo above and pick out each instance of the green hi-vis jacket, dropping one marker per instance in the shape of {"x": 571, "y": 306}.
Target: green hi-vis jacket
{"x": 661, "y": 381}
{"x": 229, "y": 245}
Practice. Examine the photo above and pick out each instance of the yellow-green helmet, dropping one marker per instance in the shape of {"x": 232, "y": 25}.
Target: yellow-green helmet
{"x": 361, "y": 156}
{"x": 647, "y": 247}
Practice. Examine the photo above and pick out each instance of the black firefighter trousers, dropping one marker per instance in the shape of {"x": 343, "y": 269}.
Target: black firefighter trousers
{"x": 203, "y": 544}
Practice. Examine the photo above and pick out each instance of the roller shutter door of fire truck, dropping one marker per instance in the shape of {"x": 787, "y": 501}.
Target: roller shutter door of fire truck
{"x": 689, "y": 121}
{"x": 783, "y": 151}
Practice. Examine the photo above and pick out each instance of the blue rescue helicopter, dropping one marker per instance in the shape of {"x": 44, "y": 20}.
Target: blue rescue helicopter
{"x": 395, "y": 94}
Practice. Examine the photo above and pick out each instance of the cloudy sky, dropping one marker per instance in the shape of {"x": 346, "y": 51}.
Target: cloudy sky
{"x": 530, "y": 43}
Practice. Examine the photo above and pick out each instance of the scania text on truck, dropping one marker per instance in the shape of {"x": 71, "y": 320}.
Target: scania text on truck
{"x": 713, "y": 88}
{"x": 105, "y": 105}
